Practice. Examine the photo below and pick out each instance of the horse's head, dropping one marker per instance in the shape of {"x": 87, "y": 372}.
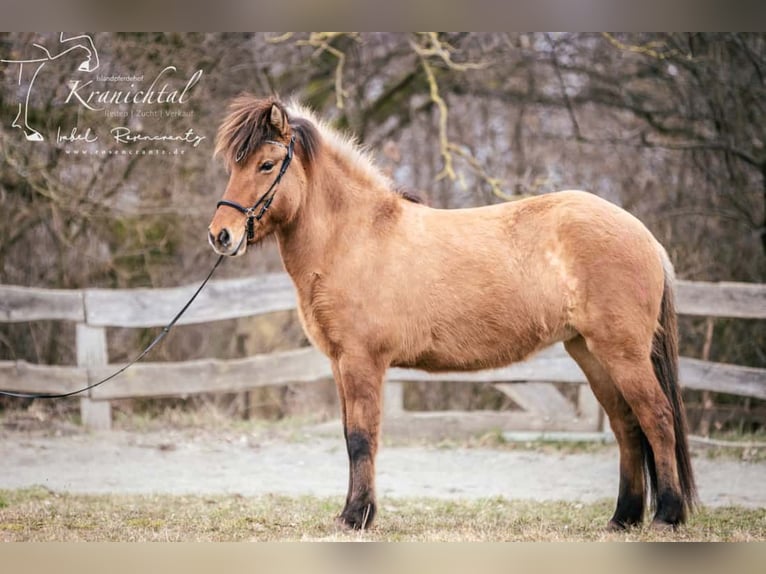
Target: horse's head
{"x": 267, "y": 179}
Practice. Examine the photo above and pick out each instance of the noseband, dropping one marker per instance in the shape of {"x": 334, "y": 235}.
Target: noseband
{"x": 265, "y": 200}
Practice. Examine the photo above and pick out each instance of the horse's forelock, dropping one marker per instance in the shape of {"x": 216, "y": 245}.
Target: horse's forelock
{"x": 246, "y": 126}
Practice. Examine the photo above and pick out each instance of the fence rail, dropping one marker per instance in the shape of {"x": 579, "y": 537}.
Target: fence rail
{"x": 96, "y": 309}
{"x": 233, "y": 298}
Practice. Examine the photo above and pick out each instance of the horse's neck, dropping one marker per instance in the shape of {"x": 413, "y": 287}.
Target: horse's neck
{"x": 336, "y": 210}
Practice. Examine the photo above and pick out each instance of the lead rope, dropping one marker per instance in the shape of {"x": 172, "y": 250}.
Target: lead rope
{"x": 264, "y": 201}
{"x": 157, "y": 339}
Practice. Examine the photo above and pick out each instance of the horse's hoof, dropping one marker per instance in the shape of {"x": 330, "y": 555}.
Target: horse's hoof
{"x": 342, "y": 523}
{"x": 346, "y": 523}
{"x": 357, "y": 518}
{"x": 34, "y": 136}
{"x": 659, "y": 525}
{"x": 614, "y": 526}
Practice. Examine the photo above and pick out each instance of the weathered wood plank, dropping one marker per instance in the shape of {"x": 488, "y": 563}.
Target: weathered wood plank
{"x": 722, "y": 378}
{"x": 540, "y": 398}
{"x": 589, "y": 408}
{"x": 20, "y": 376}
{"x": 91, "y": 346}
{"x": 693, "y": 373}
{"x": 92, "y": 352}
{"x": 31, "y": 304}
{"x": 393, "y": 398}
{"x": 449, "y": 424}
{"x": 305, "y": 365}
{"x": 232, "y": 298}
{"x": 539, "y": 369}
{"x": 213, "y": 375}
{"x": 725, "y": 299}
{"x": 224, "y": 299}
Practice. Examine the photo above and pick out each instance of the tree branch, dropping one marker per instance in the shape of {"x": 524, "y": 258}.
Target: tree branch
{"x": 562, "y": 85}
{"x": 651, "y": 49}
{"x": 446, "y": 147}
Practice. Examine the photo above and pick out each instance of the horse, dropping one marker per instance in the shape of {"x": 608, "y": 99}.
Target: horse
{"x": 83, "y": 43}
{"x": 383, "y": 280}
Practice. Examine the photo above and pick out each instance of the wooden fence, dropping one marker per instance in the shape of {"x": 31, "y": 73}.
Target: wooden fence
{"x": 529, "y": 384}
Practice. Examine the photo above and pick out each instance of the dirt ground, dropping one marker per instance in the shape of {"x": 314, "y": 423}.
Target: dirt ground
{"x": 306, "y": 461}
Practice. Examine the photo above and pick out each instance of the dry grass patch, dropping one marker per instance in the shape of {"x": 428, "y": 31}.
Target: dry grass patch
{"x": 40, "y": 515}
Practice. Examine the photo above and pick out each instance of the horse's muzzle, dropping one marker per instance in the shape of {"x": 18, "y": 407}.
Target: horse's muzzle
{"x": 224, "y": 243}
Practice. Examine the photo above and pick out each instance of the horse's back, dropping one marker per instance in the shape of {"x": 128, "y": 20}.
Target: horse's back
{"x": 504, "y": 281}
{"x": 591, "y": 232}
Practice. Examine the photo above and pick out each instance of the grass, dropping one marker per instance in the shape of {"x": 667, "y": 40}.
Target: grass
{"x": 37, "y": 514}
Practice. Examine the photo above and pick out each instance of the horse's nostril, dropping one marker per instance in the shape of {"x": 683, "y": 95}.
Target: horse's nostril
{"x": 224, "y": 238}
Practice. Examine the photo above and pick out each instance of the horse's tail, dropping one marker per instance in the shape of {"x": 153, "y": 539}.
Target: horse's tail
{"x": 665, "y": 363}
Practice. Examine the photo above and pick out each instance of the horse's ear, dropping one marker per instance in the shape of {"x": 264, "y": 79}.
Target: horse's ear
{"x": 278, "y": 119}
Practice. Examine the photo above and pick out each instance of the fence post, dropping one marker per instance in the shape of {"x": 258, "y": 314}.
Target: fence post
{"x": 589, "y": 408}
{"x": 91, "y": 352}
{"x": 393, "y": 398}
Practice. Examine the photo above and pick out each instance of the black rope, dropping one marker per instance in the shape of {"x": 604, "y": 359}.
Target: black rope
{"x": 264, "y": 201}
{"x": 157, "y": 339}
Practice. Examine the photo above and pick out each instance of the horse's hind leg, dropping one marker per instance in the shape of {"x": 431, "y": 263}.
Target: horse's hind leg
{"x": 630, "y": 367}
{"x": 361, "y": 381}
{"x": 631, "y": 497}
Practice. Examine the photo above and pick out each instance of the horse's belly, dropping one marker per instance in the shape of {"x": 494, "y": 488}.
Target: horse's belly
{"x": 482, "y": 346}
{"x": 435, "y": 361}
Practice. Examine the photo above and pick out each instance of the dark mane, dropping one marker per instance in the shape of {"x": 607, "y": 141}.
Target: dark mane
{"x": 307, "y": 139}
{"x": 247, "y": 125}
{"x": 410, "y": 195}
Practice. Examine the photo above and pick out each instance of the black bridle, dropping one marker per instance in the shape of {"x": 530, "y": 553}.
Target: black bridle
{"x": 265, "y": 200}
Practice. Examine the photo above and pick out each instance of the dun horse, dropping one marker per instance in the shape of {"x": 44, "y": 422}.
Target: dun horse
{"x": 384, "y": 281}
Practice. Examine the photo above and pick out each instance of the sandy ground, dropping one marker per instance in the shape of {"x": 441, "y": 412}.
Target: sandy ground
{"x": 181, "y": 462}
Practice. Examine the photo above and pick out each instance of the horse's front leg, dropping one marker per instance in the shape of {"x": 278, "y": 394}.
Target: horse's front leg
{"x": 361, "y": 379}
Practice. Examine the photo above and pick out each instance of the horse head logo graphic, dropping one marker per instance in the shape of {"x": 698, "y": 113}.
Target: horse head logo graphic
{"x": 82, "y": 46}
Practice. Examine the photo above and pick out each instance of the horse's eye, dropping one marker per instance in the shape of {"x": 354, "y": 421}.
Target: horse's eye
{"x": 267, "y": 166}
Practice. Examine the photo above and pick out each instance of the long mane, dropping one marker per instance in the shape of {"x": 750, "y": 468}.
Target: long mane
{"x": 345, "y": 145}
{"x": 247, "y": 125}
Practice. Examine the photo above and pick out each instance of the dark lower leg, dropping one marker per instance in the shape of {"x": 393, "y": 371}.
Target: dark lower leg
{"x": 630, "y": 509}
{"x": 631, "y": 496}
{"x": 361, "y": 383}
{"x": 670, "y": 509}
{"x": 360, "y": 508}
{"x": 653, "y": 412}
